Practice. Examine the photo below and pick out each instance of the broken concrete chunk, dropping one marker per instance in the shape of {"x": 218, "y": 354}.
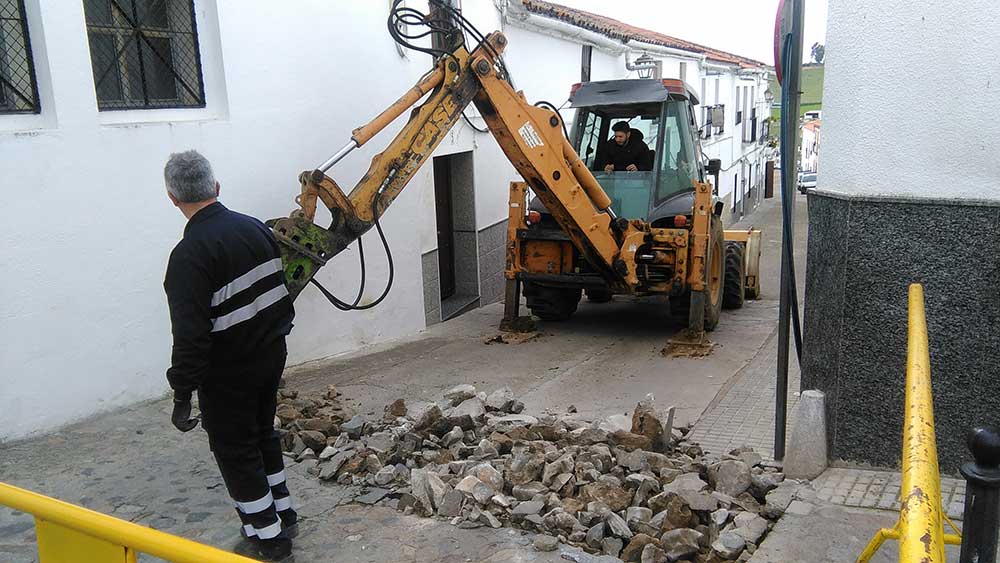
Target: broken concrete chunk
{"x": 729, "y": 545}
{"x": 500, "y": 400}
{"x": 617, "y": 526}
{"x": 475, "y": 488}
{"x": 685, "y": 482}
{"x": 453, "y": 437}
{"x": 527, "y": 507}
{"x": 616, "y": 498}
{"x": 525, "y": 468}
{"x": 451, "y": 504}
{"x": 638, "y": 514}
{"x": 424, "y": 415}
{"x": 645, "y": 422}
{"x": 611, "y": 546}
{"x": 545, "y": 543}
{"x": 563, "y": 464}
{"x": 488, "y": 475}
{"x": 428, "y": 489}
{"x": 528, "y": 491}
{"x": 652, "y": 553}
{"x": 731, "y": 477}
{"x": 699, "y": 502}
{"x": 460, "y": 393}
{"x": 633, "y": 551}
{"x": 751, "y": 528}
{"x": 558, "y": 520}
{"x": 489, "y": 519}
{"x": 681, "y": 543}
{"x": 385, "y": 475}
{"x": 381, "y": 441}
{"x": 354, "y": 427}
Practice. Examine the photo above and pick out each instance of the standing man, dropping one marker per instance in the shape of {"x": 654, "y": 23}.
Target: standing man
{"x": 230, "y": 312}
{"x": 625, "y": 151}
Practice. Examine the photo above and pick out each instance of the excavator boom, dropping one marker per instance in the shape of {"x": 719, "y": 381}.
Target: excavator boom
{"x": 531, "y": 137}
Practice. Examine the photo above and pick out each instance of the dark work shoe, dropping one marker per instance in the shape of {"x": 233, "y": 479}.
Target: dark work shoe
{"x": 289, "y": 523}
{"x": 272, "y": 550}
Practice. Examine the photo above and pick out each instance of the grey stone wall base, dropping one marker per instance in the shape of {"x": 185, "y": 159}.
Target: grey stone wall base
{"x": 863, "y": 252}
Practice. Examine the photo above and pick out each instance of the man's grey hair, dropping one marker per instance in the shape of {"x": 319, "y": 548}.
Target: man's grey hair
{"x": 189, "y": 177}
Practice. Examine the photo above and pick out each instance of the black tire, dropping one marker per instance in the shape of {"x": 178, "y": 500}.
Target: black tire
{"x": 551, "y": 303}
{"x": 734, "y": 290}
{"x": 680, "y": 305}
{"x": 602, "y": 295}
{"x": 716, "y": 247}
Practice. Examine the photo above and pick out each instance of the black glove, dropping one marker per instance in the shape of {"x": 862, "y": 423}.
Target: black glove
{"x": 181, "y": 417}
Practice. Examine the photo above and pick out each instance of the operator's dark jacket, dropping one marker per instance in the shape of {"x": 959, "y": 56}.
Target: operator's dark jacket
{"x": 227, "y": 296}
{"x": 635, "y": 151}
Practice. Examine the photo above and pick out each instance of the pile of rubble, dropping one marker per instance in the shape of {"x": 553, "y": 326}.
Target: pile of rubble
{"x": 635, "y": 489}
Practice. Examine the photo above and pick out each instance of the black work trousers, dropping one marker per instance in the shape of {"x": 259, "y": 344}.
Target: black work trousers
{"x": 237, "y": 407}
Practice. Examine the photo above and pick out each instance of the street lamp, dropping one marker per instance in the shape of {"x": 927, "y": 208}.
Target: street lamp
{"x": 768, "y": 97}
{"x": 645, "y": 65}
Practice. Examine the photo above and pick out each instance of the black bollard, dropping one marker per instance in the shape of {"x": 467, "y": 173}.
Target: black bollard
{"x": 982, "y": 497}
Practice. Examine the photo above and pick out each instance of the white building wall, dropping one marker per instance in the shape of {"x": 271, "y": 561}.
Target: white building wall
{"x": 944, "y": 141}
{"x": 87, "y": 237}
{"x": 88, "y": 227}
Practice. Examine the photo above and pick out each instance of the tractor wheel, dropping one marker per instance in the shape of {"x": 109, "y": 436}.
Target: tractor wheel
{"x": 680, "y": 305}
{"x": 735, "y": 287}
{"x": 602, "y": 295}
{"x": 715, "y": 275}
{"x": 551, "y": 303}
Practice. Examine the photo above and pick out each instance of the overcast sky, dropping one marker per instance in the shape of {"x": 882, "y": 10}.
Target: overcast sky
{"x": 743, "y": 27}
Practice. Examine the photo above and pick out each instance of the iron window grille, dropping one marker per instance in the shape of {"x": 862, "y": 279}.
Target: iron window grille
{"x": 18, "y": 88}
{"x": 144, "y": 54}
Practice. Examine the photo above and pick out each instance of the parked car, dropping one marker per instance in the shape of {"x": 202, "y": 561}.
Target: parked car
{"x": 807, "y": 180}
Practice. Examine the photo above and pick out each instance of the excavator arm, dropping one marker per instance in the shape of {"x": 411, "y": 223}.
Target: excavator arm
{"x": 531, "y": 137}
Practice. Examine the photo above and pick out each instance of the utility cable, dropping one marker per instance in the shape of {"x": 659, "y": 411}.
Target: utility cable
{"x": 786, "y": 221}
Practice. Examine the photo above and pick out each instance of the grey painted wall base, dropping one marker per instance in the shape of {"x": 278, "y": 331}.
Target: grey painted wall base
{"x": 488, "y": 247}
{"x": 432, "y": 287}
{"x": 862, "y": 255}
{"x": 492, "y": 261}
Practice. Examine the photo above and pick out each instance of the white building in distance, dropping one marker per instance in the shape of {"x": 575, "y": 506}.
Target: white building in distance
{"x": 97, "y": 98}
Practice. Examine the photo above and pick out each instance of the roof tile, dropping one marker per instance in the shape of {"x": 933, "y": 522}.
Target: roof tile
{"x": 624, "y": 32}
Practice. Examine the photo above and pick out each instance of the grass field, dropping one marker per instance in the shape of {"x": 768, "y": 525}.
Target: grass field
{"x": 812, "y": 90}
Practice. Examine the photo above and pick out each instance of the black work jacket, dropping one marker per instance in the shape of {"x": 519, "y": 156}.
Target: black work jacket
{"x": 632, "y": 152}
{"x": 227, "y": 296}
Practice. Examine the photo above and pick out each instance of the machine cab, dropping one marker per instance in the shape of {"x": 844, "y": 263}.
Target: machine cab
{"x": 640, "y": 140}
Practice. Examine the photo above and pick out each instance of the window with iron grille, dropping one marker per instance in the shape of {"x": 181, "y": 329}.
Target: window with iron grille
{"x": 144, "y": 54}
{"x": 18, "y": 89}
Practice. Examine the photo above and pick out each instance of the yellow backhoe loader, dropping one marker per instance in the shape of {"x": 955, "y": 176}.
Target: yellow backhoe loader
{"x": 581, "y": 232}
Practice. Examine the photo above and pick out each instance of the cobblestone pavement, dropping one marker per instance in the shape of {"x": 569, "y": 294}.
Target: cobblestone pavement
{"x": 744, "y": 412}
{"x": 864, "y": 488}
{"x": 132, "y": 464}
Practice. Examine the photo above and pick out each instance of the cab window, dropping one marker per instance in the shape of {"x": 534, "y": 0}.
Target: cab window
{"x": 678, "y": 167}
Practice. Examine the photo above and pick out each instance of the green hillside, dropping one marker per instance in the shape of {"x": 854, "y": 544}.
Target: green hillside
{"x": 812, "y": 90}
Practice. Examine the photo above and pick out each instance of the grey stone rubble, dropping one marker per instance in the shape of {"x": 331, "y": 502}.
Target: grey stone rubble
{"x": 634, "y": 489}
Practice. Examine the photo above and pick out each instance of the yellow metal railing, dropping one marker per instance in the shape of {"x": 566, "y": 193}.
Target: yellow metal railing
{"x": 68, "y": 533}
{"x": 920, "y": 528}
